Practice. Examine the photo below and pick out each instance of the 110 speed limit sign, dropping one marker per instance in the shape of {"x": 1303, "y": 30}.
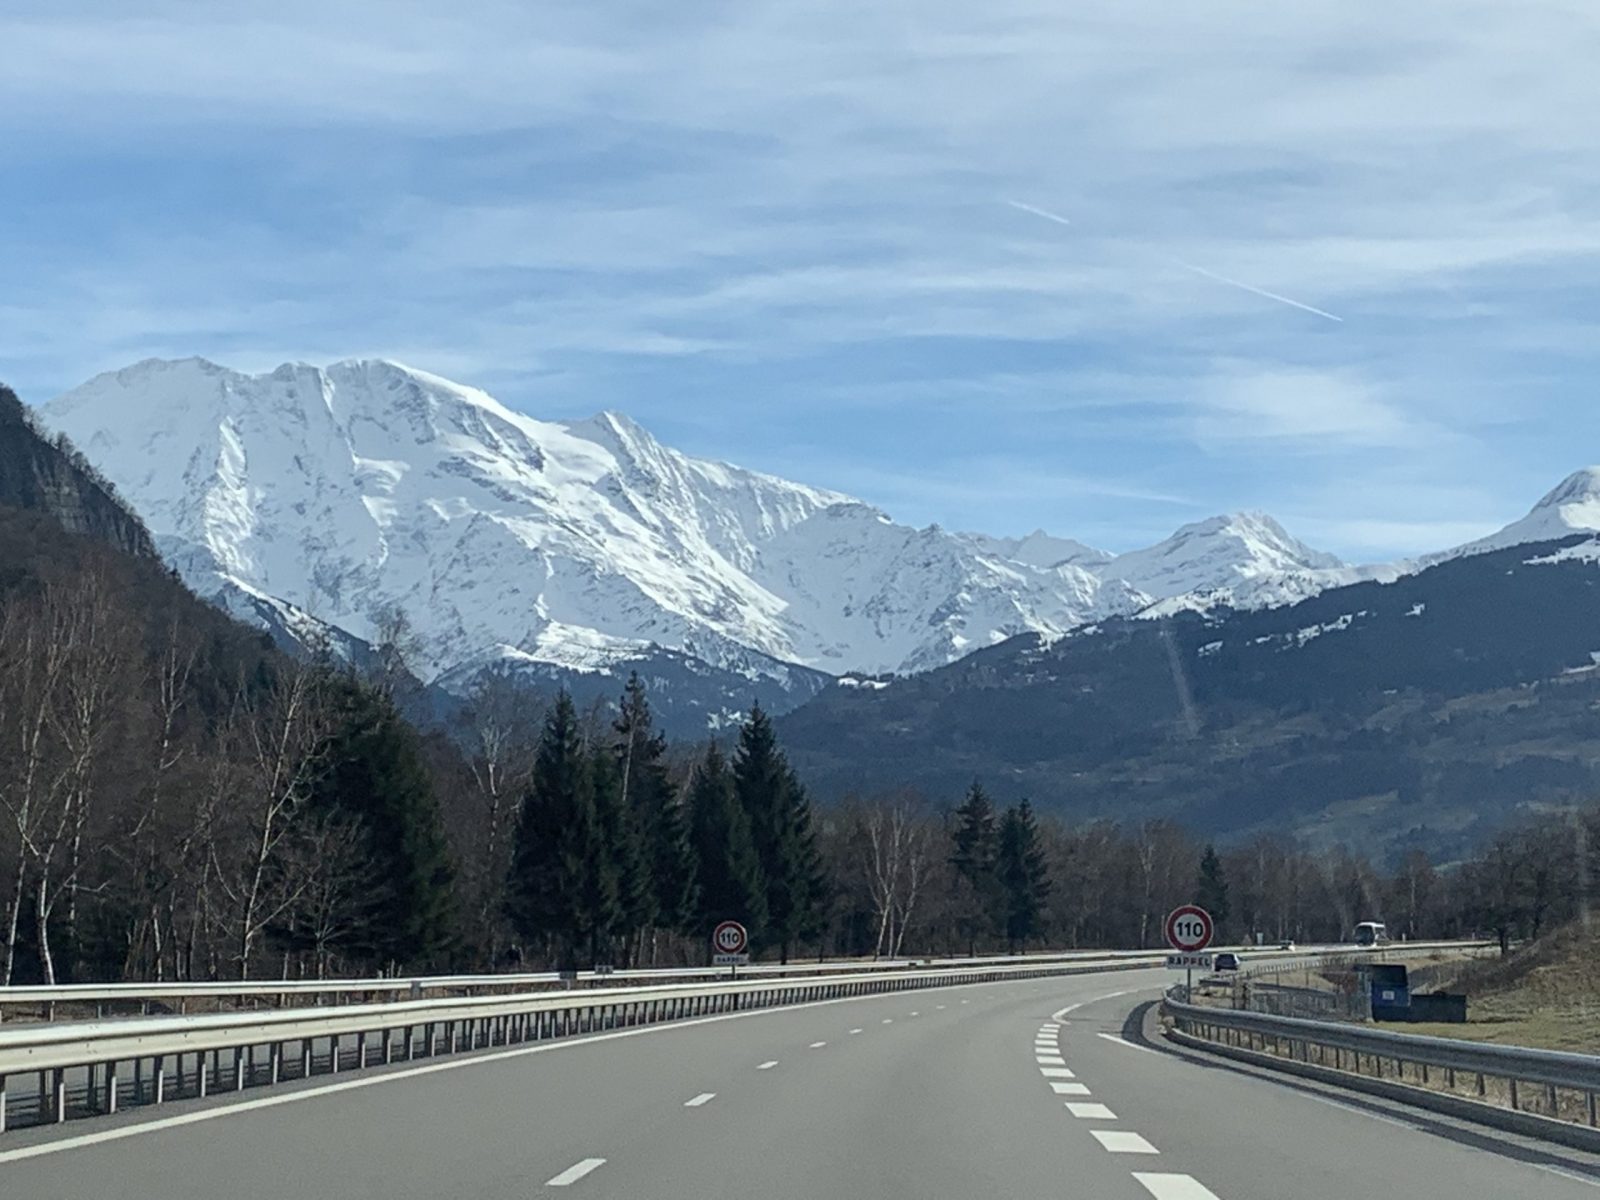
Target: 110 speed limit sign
{"x": 1190, "y": 929}
{"x": 729, "y": 941}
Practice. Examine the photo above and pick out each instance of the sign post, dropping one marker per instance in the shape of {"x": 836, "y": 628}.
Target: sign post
{"x": 1189, "y": 930}
{"x": 729, "y": 942}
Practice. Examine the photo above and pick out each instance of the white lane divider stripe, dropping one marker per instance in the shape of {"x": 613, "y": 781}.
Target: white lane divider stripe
{"x": 1057, "y": 1073}
{"x": 1111, "y": 1037}
{"x": 702, "y": 1098}
{"x": 767, "y": 1066}
{"x": 1050, "y": 1060}
{"x": 916, "y": 1014}
{"x": 1090, "y": 1112}
{"x": 1069, "y": 1089}
{"x": 1174, "y": 1187}
{"x": 359, "y": 1082}
{"x": 854, "y": 1032}
{"x": 940, "y": 1007}
{"x": 888, "y": 1020}
{"x": 817, "y": 1045}
{"x": 575, "y": 1172}
{"x": 1117, "y": 1141}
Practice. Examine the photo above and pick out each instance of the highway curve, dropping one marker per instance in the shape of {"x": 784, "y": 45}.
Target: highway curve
{"x": 1021, "y": 1089}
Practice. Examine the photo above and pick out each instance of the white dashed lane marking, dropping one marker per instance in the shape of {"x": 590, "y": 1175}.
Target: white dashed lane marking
{"x": 575, "y": 1172}
{"x": 1174, "y": 1187}
{"x": 1050, "y": 1060}
{"x": 702, "y": 1098}
{"x": 817, "y": 1045}
{"x": 1118, "y": 1141}
{"x": 1069, "y": 1089}
{"x": 855, "y": 1031}
{"x": 1057, "y": 1073}
{"x": 1090, "y": 1111}
{"x": 767, "y": 1066}
{"x": 888, "y": 1020}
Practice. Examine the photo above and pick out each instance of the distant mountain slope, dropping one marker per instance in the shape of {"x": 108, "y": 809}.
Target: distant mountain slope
{"x": 1420, "y": 710}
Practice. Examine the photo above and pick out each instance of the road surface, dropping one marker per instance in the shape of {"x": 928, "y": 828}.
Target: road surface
{"x": 1015, "y": 1090}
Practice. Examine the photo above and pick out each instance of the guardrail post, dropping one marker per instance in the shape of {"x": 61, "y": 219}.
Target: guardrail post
{"x": 1550, "y": 1095}
{"x": 361, "y": 1050}
{"x": 111, "y": 1092}
{"x": 3, "y": 1103}
{"x": 274, "y": 1062}
{"x": 58, "y": 1088}
{"x": 160, "y": 1072}
{"x": 238, "y": 1068}
{"x": 305, "y": 1058}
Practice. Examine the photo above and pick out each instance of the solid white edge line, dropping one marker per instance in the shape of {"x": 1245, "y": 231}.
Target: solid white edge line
{"x": 1122, "y": 1141}
{"x": 1174, "y": 1187}
{"x": 575, "y": 1172}
{"x": 234, "y": 1108}
{"x": 702, "y": 1098}
{"x": 1111, "y": 1037}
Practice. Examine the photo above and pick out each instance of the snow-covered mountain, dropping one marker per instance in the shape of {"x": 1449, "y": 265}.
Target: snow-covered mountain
{"x": 367, "y": 487}
{"x": 327, "y": 499}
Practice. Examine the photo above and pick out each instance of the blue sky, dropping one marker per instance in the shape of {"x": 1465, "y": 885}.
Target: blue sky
{"x": 777, "y": 232}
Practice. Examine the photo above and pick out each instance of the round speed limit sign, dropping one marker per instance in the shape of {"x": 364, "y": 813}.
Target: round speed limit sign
{"x": 730, "y": 938}
{"x": 1190, "y": 928}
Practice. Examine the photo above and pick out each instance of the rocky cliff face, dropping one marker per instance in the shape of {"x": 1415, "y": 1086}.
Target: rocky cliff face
{"x": 47, "y": 476}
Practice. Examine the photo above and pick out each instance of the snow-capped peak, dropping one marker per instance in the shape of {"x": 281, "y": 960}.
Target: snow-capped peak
{"x": 1236, "y": 550}
{"x": 1572, "y": 506}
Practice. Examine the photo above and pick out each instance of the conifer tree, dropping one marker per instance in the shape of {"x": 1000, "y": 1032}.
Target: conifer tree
{"x": 780, "y": 825}
{"x": 1211, "y": 888}
{"x": 376, "y": 776}
{"x": 658, "y": 812}
{"x": 563, "y": 884}
{"x": 974, "y": 852}
{"x": 621, "y": 845}
{"x": 1024, "y": 875}
{"x": 730, "y": 882}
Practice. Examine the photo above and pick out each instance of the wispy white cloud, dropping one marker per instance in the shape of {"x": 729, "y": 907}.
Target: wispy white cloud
{"x": 760, "y": 206}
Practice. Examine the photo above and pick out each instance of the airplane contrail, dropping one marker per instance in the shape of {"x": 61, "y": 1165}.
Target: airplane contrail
{"x": 1189, "y": 266}
{"x": 1039, "y": 212}
{"x": 1198, "y": 270}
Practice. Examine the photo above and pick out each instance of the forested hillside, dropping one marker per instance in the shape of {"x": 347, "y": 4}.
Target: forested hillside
{"x": 1427, "y": 712}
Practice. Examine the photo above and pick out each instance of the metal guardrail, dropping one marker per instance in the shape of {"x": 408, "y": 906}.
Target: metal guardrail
{"x": 143, "y": 997}
{"x": 1362, "y": 1050}
{"x": 167, "y": 1057}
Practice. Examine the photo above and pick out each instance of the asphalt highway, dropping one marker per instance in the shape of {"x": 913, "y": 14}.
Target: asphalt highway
{"x": 1018, "y": 1090}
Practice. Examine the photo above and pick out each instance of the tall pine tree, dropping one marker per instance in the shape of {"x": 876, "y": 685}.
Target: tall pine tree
{"x": 658, "y": 812}
{"x": 562, "y": 889}
{"x": 730, "y": 882}
{"x": 780, "y": 825}
{"x": 1211, "y": 888}
{"x": 376, "y": 776}
{"x": 1024, "y": 875}
{"x": 975, "y": 850}
{"x": 623, "y": 845}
